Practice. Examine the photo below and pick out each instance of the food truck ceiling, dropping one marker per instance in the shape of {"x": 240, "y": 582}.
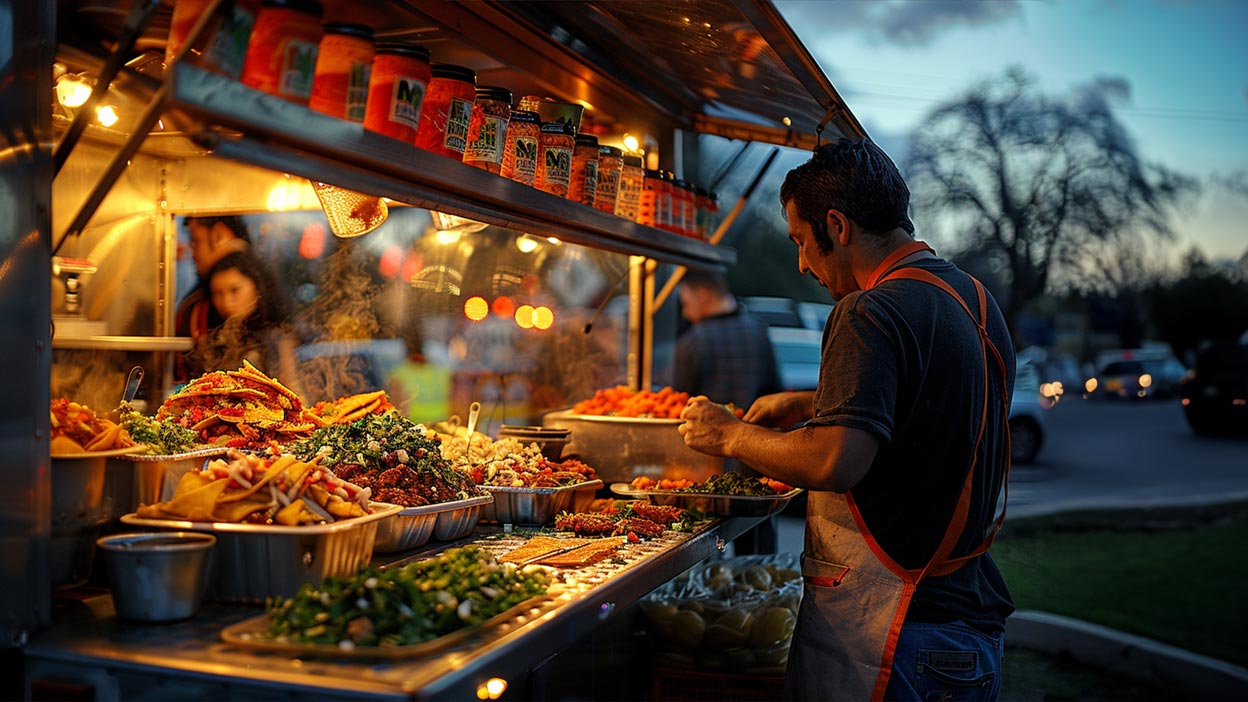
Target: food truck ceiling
{"x": 729, "y": 67}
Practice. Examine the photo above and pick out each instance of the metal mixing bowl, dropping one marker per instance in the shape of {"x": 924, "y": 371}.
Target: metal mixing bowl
{"x": 157, "y": 577}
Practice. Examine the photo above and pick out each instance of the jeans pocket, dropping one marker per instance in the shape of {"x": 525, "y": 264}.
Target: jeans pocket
{"x": 936, "y": 684}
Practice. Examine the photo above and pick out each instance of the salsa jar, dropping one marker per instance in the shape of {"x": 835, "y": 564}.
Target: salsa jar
{"x": 628, "y": 195}
{"x": 487, "y": 130}
{"x": 554, "y": 158}
{"x": 654, "y": 187}
{"x": 521, "y": 147}
{"x": 396, "y": 90}
{"x": 583, "y": 184}
{"x": 610, "y": 164}
{"x": 683, "y": 200}
{"x": 281, "y": 56}
{"x": 447, "y": 111}
{"x": 224, "y": 41}
{"x": 343, "y": 63}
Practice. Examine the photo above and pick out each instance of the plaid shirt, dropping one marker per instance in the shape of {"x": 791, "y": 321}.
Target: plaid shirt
{"x": 728, "y": 358}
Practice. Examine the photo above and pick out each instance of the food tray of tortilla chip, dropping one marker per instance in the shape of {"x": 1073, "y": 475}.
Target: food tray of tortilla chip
{"x": 537, "y": 506}
{"x": 444, "y": 521}
{"x": 707, "y": 503}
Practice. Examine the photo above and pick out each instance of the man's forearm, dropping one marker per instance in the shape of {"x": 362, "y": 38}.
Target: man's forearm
{"x": 816, "y": 458}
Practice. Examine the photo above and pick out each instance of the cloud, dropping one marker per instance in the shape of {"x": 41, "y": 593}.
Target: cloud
{"x": 901, "y": 22}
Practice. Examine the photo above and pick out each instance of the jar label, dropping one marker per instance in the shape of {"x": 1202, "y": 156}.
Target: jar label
{"x": 357, "y": 90}
{"x": 609, "y": 183}
{"x": 558, "y": 163}
{"x": 628, "y": 197}
{"x": 526, "y": 158}
{"x": 458, "y": 116}
{"x": 591, "y": 176}
{"x": 406, "y": 99}
{"x": 229, "y": 45}
{"x": 487, "y": 144}
{"x": 298, "y": 67}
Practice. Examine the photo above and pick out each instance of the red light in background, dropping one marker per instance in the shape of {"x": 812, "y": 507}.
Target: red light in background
{"x": 391, "y": 261}
{"x": 476, "y": 308}
{"x": 504, "y": 307}
{"x": 312, "y": 242}
{"x": 412, "y": 265}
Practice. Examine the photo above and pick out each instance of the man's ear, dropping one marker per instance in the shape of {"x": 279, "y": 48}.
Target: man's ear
{"x": 838, "y": 226}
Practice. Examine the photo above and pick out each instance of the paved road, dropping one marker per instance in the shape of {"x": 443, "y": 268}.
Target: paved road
{"x": 1104, "y": 454}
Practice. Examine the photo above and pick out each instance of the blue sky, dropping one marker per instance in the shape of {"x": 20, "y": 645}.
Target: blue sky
{"x": 1182, "y": 64}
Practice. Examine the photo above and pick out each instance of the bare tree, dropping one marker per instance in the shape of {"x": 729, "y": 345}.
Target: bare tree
{"x": 1051, "y": 190}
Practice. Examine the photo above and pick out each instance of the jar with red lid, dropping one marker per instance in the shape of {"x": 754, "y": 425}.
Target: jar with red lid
{"x": 281, "y": 56}
{"x": 487, "y": 130}
{"x": 396, "y": 90}
{"x": 222, "y": 48}
{"x": 520, "y": 150}
{"x": 447, "y": 111}
{"x": 343, "y": 63}
{"x": 583, "y": 184}
{"x": 610, "y": 164}
{"x": 554, "y": 158}
{"x": 628, "y": 194}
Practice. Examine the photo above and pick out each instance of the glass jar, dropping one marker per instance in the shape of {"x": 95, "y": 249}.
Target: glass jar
{"x": 396, "y": 90}
{"x": 610, "y": 164}
{"x": 584, "y": 181}
{"x": 343, "y": 63}
{"x": 682, "y": 201}
{"x": 554, "y": 158}
{"x": 700, "y": 200}
{"x": 224, "y": 39}
{"x": 628, "y": 195}
{"x": 487, "y": 130}
{"x": 281, "y": 56}
{"x": 520, "y": 149}
{"x": 656, "y": 201}
{"x": 447, "y": 111}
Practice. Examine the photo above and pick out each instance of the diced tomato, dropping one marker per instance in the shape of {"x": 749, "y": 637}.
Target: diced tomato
{"x": 632, "y": 538}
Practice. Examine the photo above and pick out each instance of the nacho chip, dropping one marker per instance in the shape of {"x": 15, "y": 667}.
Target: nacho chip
{"x": 294, "y": 514}
{"x": 238, "y": 511}
{"x": 62, "y": 444}
{"x": 196, "y": 505}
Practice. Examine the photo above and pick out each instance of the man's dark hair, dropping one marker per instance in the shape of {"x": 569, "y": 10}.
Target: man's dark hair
{"x": 855, "y": 177}
{"x": 231, "y": 222}
{"x": 706, "y": 280}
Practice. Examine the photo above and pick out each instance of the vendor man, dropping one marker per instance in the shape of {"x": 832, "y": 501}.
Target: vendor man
{"x": 904, "y": 449}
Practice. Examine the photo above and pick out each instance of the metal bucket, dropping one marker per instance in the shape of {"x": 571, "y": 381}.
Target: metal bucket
{"x": 157, "y": 577}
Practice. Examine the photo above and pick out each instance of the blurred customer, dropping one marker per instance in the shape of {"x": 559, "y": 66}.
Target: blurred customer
{"x": 246, "y": 296}
{"x": 211, "y": 238}
{"x": 726, "y": 356}
{"x": 420, "y": 389}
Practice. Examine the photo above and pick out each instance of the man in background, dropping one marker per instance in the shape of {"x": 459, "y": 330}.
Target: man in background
{"x": 212, "y": 238}
{"x": 726, "y": 356}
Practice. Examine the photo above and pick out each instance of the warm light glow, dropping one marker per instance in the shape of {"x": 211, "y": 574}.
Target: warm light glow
{"x": 391, "y": 261}
{"x": 476, "y": 308}
{"x": 289, "y": 194}
{"x": 491, "y": 689}
{"x": 543, "y": 317}
{"x": 1146, "y": 380}
{"x": 526, "y": 244}
{"x": 449, "y": 222}
{"x": 72, "y": 91}
{"x": 554, "y": 241}
{"x": 504, "y": 307}
{"x": 1090, "y": 386}
{"x": 106, "y": 115}
{"x": 630, "y": 142}
{"x": 524, "y": 316}
{"x": 787, "y": 122}
{"x": 446, "y": 237}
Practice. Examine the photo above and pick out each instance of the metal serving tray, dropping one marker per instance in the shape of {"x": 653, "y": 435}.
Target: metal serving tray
{"x": 537, "y": 506}
{"x": 718, "y": 505}
{"x": 255, "y": 561}
{"x": 152, "y": 478}
{"x": 444, "y": 521}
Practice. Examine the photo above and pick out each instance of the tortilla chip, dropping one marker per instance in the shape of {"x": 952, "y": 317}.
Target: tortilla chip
{"x": 62, "y": 444}
{"x": 196, "y": 505}
{"x": 205, "y": 422}
{"x": 294, "y": 514}
{"x": 342, "y": 509}
{"x": 237, "y": 511}
{"x": 276, "y": 468}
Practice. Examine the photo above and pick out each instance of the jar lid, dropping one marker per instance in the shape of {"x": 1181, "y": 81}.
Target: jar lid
{"x": 558, "y": 128}
{"x": 453, "y": 72}
{"x": 587, "y": 140}
{"x": 634, "y": 161}
{"x": 404, "y": 48}
{"x": 352, "y": 30}
{"x": 493, "y": 92}
{"x": 526, "y": 117}
{"x": 308, "y": 7}
{"x": 657, "y": 175}
{"x": 610, "y": 151}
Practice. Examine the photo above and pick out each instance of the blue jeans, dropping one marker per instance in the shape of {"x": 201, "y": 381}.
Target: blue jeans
{"x": 950, "y": 661}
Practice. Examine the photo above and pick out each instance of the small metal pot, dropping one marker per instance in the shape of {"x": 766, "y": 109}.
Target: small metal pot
{"x": 549, "y": 441}
{"x": 157, "y": 577}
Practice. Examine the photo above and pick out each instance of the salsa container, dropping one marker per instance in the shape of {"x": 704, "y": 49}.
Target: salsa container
{"x": 537, "y": 506}
{"x": 255, "y": 561}
{"x": 444, "y": 521}
{"x": 718, "y": 505}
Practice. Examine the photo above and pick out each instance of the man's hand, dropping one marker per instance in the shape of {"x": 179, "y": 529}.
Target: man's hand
{"x": 781, "y": 410}
{"x": 707, "y": 426}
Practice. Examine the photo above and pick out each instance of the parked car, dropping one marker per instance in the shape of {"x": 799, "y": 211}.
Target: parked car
{"x": 774, "y": 311}
{"x": 1215, "y": 391}
{"x": 1137, "y": 377}
{"x": 1027, "y": 427}
{"x": 814, "y": 314}
{"x": 797, "y": 354}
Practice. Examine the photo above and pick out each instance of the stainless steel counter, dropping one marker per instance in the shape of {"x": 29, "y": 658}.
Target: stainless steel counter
{"x": 88, "y": 644}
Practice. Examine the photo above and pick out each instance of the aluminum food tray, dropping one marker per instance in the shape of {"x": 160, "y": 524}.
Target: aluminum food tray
{"x": 718, "y": 505}
{"x": 152, "y": 478}
{"x": 537, "y": 506}
{"x": 444, "y": 521}
{"x": 256, "y": 561}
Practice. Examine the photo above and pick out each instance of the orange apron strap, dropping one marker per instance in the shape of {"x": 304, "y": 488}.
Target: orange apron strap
{"x": 890, "y": 261}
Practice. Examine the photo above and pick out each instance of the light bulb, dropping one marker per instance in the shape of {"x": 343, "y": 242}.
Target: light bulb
{"x": 106, "y": 115}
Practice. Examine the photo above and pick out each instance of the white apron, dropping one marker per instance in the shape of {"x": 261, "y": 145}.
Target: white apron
{"x": 856, "y": 597}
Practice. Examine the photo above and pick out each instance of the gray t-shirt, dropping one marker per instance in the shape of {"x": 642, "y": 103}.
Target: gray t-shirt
{"x": 903, "y": 361}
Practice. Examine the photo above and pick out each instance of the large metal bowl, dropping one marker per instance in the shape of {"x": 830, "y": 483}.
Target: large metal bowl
{"x": 157, "y": 577}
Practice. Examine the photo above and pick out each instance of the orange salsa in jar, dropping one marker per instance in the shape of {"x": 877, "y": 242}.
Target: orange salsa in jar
{"x": 521, "y": 148}
{"x": 343, "y": 63}
{"x": 396, "y": 90}
{"x": 447, "y": 112}
{"x": 487, "y": 130}
{"x": 554, "y": 159}
{"x": 281, "y": 56}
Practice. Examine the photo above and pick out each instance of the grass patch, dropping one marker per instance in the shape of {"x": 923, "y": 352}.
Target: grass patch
{"x": 1172, "y": 575}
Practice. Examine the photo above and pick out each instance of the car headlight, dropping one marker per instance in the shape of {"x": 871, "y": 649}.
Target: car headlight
{"x": 1145, "y": 380}
{"x": 1090, "y": 385}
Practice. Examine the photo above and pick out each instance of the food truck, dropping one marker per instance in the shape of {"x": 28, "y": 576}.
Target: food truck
{"x": 127, "y": 119}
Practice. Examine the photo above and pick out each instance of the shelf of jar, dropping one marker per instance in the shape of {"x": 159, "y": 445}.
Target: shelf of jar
{"x": 273, "y": 133}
